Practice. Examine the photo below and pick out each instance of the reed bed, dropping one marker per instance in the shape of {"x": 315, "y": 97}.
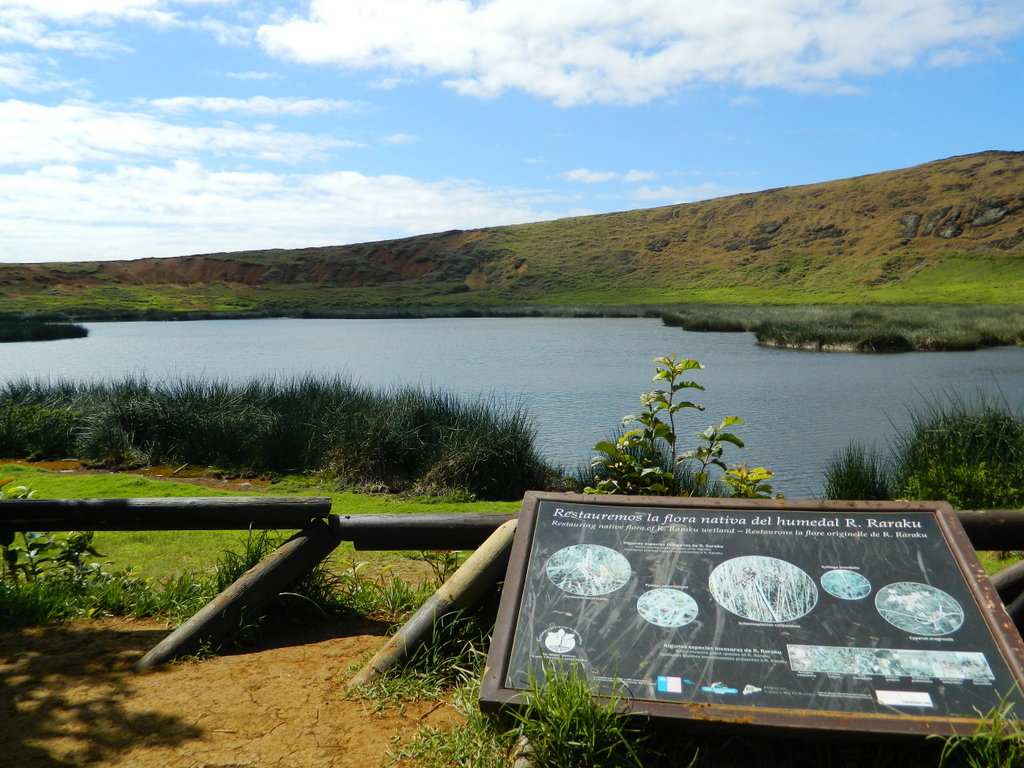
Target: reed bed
{"x": 970, "y": 454}
{"x": 862, "y": 329}
{"x": 25, "y": 330}
{"x": 391, "y": 440}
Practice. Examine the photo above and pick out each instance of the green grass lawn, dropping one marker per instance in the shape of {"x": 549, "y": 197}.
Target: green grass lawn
{"x": 161, "y": 554}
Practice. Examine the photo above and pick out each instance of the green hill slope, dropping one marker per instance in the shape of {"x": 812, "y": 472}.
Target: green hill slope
{"x": 946, "y": 231}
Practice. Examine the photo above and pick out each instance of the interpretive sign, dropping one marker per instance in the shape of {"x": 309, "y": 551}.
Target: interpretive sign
{"x": 863, "y": 617}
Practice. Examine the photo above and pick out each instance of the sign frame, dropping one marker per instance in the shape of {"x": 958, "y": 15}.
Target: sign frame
{"x": 715, "y": 712}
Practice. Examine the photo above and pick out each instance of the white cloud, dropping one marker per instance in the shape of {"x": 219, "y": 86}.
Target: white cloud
{"x": 669, "y": 195}
{"x": 634, "y": 176}
{"x": 581, "y": 51}
{"x": 76, "y": 10}
{"x": 85, "y": 26}
{"x": 63, "y": 212}
{"x": 20, "y": 28}
{"x": 397, "y": 139}
{"x": 742, "y": 101}
{"x": 28, "y": 72}
{"x": 251, "y": 75}
{"x": 255, "y": 105}
{"x": 75, "y": 133}
{"x": 587, "y": 176}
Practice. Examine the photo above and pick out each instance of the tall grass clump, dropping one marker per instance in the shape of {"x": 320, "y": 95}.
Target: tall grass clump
{"x": 970, "y": 454}
{"x": 997, "y": 742}
{"x": 36, "y": 432}
{"x": 395, "y": 439}
{"x": 859, "y": 472}
{"x": 567, "y": 727}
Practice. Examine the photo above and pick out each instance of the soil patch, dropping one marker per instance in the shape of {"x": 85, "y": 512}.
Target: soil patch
{"x": 69, "y": 697}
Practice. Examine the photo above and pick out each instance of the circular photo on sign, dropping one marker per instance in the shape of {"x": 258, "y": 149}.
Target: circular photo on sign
{"x": 919, "y": 609}
{"x": 763, "y": 589}
{"x": 560, "y": 640}
{"x": 846, "y": 585}
{"x": 588, "y": 569}
{"x": 667, "y": 607}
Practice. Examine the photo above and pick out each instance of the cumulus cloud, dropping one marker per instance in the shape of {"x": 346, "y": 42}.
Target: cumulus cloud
{"x": 150, "y": 210}
{"x": 583, "y": 51}
{"x": 77, "y": 132}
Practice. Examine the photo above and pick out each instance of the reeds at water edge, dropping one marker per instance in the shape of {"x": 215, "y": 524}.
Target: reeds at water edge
{"x": 380, "y": 439}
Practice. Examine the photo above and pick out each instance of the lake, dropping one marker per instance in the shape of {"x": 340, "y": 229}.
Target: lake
{"x": 578, "y": 377}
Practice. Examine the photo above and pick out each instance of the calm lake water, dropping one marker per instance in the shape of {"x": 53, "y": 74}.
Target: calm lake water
{"x": 578, "y": 377}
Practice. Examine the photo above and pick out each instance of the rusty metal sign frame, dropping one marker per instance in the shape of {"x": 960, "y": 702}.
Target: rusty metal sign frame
{"x": 713, "y": 711}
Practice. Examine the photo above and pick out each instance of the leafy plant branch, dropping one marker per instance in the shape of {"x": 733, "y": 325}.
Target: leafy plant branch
{"x": 646, "y": 460}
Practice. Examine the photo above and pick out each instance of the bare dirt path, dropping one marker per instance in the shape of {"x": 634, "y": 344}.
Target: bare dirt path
{"x": 69, "y": 697}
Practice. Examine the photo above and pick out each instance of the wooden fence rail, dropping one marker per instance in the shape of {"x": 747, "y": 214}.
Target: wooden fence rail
{"x": 177, "y": 514}
{"x": 996, "y": 529}
{"x": 319, "y": 532}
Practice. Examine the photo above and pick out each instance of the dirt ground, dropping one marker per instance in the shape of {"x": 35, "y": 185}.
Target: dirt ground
{"x": 69, "y": 697}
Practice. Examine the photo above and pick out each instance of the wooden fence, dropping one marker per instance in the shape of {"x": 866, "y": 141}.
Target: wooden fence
{"x": 320, "y": 532}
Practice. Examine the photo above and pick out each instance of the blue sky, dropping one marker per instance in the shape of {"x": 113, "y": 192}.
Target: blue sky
{"x": 138, "y": 128}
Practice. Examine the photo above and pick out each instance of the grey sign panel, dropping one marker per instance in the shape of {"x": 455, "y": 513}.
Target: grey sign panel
{"x": 859, "y": 617}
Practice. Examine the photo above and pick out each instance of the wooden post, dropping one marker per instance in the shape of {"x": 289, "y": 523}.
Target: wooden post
{"x": 466, "y": 586}
{"x": 253, "y": 589}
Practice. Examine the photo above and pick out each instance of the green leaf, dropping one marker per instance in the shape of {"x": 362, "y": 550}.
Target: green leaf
{"x": 728, "y": 437}
{"x": 686, "y": 404}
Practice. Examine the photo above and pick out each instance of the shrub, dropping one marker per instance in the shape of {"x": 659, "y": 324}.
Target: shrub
{"x": 646, "y": 459}
{"x": 968, "y": 454}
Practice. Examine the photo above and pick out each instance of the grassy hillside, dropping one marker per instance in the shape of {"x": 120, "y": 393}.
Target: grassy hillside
{"x": 949, "y": 231}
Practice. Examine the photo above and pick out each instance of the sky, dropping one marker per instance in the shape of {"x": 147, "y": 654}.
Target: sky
{"x": 156, "y": 128}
